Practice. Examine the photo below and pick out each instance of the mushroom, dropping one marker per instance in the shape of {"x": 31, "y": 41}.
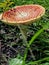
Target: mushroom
{"x": 24, "y": 14}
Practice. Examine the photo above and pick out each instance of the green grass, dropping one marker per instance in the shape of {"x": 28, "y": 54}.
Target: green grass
{"x": 40, "y": 37}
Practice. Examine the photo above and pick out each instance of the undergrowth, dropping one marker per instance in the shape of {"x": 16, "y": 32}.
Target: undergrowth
{"x": 34, "y": 38}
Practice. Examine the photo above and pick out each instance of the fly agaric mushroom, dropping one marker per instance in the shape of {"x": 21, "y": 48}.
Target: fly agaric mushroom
{"x": 24, "y": 14}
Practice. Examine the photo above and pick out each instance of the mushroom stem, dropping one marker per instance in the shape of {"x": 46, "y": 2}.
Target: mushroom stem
{"x": 23, "y": 34}
{"x": 25, "y": 40}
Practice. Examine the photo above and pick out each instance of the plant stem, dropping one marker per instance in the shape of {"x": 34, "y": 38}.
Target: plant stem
{"x": 23, "y": 35}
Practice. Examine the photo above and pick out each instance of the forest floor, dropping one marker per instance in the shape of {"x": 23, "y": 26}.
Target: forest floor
{"x": 12, "y": 45}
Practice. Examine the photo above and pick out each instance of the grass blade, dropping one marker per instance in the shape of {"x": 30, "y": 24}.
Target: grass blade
{"x": 35, "y": 36}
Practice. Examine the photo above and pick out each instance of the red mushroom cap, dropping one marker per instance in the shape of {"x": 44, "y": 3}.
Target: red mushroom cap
{"x": 23, "y": 14}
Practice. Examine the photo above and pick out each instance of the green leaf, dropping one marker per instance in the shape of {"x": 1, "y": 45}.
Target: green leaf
{"x": 45, "y": 63}
{"x": 15, "y": 61}
{"x": 2, "y": 5}
{"x": 10, "y": 4}
{"x": 35, "y": 36}
{"x": 38, "y": 61}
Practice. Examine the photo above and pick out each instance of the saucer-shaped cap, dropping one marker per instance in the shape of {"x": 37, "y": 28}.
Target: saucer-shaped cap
{"x": 23, "y": 14}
